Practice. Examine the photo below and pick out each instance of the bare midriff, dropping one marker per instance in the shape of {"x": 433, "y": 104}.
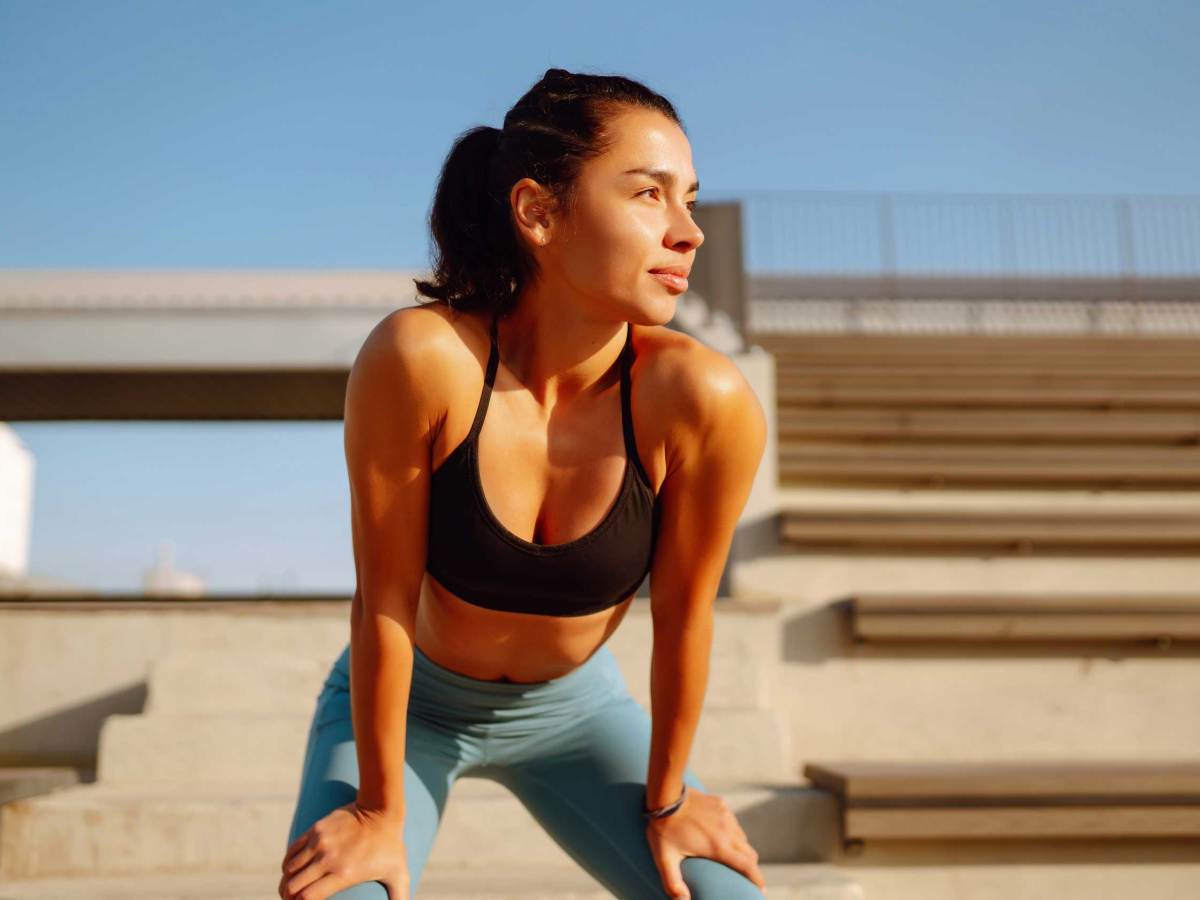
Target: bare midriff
{"x": 496, "y": 645}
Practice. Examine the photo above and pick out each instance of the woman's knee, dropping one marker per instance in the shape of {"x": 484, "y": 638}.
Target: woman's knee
{"x": 366, "y": 890}
{"x": 709, "y": 879}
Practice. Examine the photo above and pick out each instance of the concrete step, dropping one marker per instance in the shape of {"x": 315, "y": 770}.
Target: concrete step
{"x": 211, "y": 682}
{"x": 311, "y": 630}
{"x": 969, "y": 500}
{"x": 97, "y": 830}
{"x": 268, "y": 749}
{"x": 992, "y": 533}
{"x": 805, "y": 581}
{"x": 29, "y": 781}
{"x": 849, "y": 700}
{"x": 794, "y": 881}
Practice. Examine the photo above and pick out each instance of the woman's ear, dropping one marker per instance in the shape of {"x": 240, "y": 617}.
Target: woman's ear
{"x": 532, "y": 211}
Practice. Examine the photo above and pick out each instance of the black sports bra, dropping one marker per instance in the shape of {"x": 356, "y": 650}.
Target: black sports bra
{"x": 481, "y": 561}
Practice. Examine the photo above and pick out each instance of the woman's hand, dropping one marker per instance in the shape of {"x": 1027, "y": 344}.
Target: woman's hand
{"x": 349, "y": 846}
{"x": 703, "y": 826}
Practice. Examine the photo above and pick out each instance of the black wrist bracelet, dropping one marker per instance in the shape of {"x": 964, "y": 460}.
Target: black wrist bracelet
{"x": 664, "y": 811}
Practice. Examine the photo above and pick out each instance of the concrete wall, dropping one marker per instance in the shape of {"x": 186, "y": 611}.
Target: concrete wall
{"x": 64, "y": 670}
{"x": 758, "y": 528}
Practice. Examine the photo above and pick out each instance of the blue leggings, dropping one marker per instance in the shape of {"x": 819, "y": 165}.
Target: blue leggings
{"x": 574, "y": 750}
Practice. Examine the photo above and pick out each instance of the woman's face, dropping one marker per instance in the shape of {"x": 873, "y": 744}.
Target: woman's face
{"x": 625, "y": 223}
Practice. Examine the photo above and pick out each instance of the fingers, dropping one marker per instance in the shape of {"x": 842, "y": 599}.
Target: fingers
{"x": 744, "y": 858}
{"x": 326, "y": 887}
{"x": 296, "y": 845}
{"x": 292, "y": 884}
{"x": 397, "y": 888}
{"x": 299, "y": 854}
{"x": 298, "y": 869}
{"x": 672, "y": 879}
{"x": 298, "y": 860}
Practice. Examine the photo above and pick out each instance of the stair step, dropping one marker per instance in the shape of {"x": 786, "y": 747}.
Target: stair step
{"x": 943, "y": 531}
{"x": 98, "y": 830}
{"x": 29, "y": 781}
{"x": 788, "y": 881}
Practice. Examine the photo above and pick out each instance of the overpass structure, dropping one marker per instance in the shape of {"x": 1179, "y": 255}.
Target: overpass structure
{"x": 185, "y": 345}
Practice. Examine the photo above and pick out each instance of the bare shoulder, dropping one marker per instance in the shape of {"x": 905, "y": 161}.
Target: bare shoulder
{"x": 689, "y": 382}
{"x": 415, "y": 335}
{"x": 417, "y": 350}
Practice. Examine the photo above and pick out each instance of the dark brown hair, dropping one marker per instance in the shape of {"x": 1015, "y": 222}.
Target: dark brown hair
{"x": 478, "y": 260}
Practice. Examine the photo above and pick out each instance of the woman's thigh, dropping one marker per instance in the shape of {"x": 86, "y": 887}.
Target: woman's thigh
{"x": 329, "y": 779}
{"x": 585, "y": 785}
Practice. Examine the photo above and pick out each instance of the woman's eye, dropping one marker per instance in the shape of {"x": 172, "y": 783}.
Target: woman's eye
{"x": 691, "y": 204}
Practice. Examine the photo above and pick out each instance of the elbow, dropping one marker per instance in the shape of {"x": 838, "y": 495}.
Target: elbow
{"x": 677, "y": 613}
{"x": 396, "y": 605}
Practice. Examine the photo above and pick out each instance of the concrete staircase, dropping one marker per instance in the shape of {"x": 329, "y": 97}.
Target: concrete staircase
{"x": 935, "y": 702}
{"x": 196, "y": 793}
{"x": 801, "y": 881}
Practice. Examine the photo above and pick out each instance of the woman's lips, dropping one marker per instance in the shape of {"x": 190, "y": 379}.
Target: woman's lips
{"x": 677, "y": 282}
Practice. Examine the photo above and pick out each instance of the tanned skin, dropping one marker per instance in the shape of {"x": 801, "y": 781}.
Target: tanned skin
{"x": 551, "y": 454}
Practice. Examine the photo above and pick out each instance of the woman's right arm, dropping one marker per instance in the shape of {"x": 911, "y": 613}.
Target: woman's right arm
{"x": 390, "y": 416}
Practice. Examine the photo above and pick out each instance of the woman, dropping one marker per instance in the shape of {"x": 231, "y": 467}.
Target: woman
{"x": 520, "y": 458}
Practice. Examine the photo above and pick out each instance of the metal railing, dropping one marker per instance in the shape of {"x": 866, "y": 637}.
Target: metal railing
{"x": 894, "y": 262}
{"x": 833, "y": 233}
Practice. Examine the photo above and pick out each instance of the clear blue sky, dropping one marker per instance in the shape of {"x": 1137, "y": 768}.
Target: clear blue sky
{"x": 303, "y": 134}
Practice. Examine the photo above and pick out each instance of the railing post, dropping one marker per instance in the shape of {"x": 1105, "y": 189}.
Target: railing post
{"x": 887, "y": 245}
{"x": 1129, "y": 279}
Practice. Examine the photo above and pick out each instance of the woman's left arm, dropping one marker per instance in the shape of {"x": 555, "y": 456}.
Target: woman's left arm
{"x": 714, "y": 454}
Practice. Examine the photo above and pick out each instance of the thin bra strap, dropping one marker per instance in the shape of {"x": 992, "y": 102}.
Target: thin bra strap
{"x": 626, "y": 404}
{"x": 488, "y": 380}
